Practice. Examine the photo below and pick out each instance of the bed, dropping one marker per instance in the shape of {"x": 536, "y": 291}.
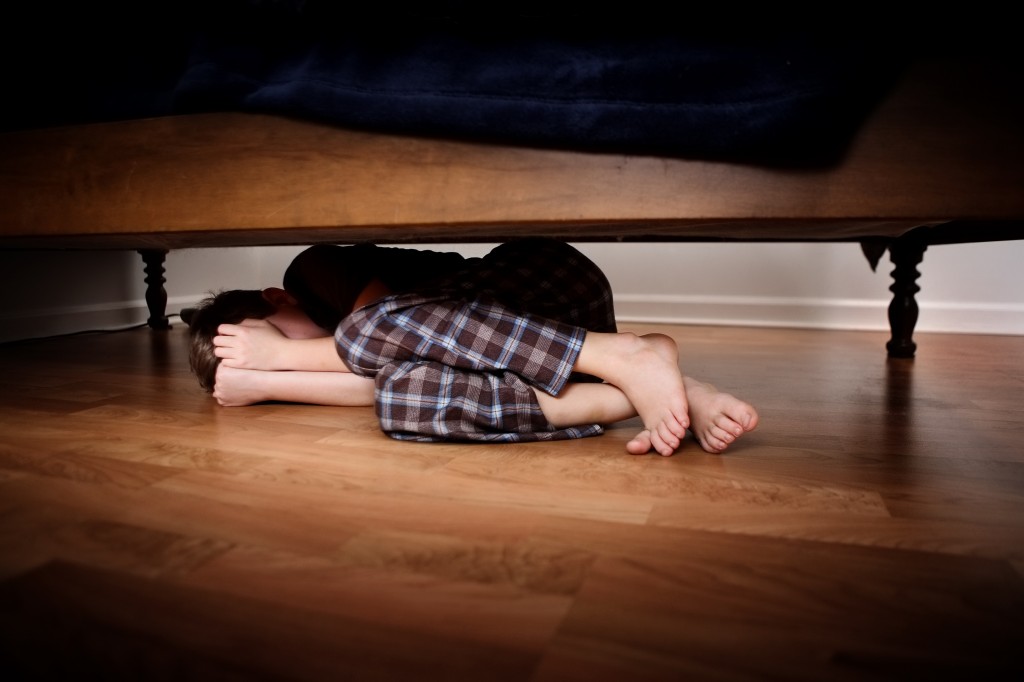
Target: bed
{"x": 232, "y": 143}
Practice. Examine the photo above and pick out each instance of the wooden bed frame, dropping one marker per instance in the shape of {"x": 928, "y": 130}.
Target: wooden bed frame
{"x": 941, "y": 160}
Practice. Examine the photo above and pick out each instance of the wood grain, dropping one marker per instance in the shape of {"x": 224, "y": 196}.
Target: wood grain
{"x": 871, "y": 528}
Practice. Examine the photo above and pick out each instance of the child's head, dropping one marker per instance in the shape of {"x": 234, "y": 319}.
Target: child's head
{"x": 277, "y": 306}
{"x": 227, "y": 307}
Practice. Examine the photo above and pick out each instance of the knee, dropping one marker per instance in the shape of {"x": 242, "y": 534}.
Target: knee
{"x": 354, "y": 341}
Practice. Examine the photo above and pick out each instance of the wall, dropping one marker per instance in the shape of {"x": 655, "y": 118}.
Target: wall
{"x": 965, "y": 288}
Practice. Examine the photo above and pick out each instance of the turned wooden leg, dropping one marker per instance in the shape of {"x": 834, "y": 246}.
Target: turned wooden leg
{"x": 906, "y": 255}
{"x": 156, "y": 295}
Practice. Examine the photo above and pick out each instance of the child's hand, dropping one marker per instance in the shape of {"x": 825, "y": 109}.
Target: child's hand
{"x": 252, "y": 344}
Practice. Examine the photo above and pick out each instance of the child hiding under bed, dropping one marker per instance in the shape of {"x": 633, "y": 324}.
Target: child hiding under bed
{"x": 518, "y": 345}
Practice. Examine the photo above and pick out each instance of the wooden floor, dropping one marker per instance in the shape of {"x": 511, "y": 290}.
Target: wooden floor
{"x": 872, "y": 528}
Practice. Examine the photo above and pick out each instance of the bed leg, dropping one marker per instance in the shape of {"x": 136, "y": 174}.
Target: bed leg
{"x": 156, "y": 295}
{"x": 906, "y": 254}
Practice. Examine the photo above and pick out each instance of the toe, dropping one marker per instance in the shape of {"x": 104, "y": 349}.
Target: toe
{"x": 668, "y": 436}
{"x": 640, "y": 444}
{"x": 712, "y": 445}
{"x": 721, "y": 435}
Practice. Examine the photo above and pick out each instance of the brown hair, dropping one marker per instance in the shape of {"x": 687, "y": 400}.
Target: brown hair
{"x": 226, "y": 307}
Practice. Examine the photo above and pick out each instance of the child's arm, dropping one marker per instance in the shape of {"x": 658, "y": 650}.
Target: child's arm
{"x": 257, "y": 344}
{"x": 237, "y": 387}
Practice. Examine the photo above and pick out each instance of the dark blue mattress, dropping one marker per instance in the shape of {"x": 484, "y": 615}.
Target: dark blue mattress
{"x": 518, "y": 78}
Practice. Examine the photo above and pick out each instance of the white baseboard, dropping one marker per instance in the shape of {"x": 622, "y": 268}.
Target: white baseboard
{"x": 745, "y": 311}
{"x": 848, "y": 314}
{"x": 41, "y": 323}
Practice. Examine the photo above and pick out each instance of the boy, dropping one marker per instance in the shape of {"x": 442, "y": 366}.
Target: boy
{"x": 507, "y": 347}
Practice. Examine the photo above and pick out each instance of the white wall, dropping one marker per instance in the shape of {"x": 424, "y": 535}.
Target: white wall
{"x": 60, "y": 292}
{"x": 965, "y": 288}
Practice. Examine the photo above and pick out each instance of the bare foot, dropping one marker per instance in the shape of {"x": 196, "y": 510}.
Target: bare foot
{"x": 236, "y": 387}
{"x": 717, "y": 419}
{"x": 646, "y": 369}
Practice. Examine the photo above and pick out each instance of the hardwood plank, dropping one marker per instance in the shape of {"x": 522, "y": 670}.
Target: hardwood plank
{"x": 897, "y": 616}
{"x": 670, "y": 604}
{"x": 68, "y": 621}
{"x": 872, "y": 527}
{"x": 478, "y": 602}
{"x": 234, "y": 522}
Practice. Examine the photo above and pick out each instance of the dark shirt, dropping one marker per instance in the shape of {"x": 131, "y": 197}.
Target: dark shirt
{"x": 327, "y": 279}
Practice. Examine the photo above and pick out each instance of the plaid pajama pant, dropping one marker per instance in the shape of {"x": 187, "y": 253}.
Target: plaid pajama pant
{"x": 456, "y": 361}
